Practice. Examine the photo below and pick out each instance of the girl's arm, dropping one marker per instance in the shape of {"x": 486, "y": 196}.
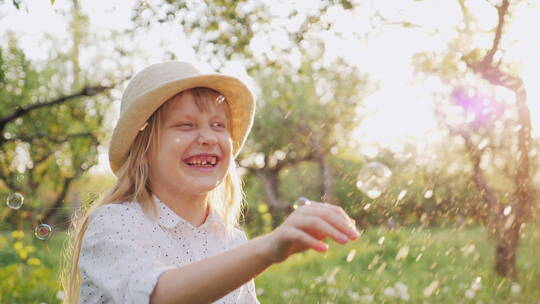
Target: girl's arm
{"x": 212, "y": 278}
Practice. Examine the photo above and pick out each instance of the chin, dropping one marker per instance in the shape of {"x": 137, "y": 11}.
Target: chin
{"x": 204, "y": 188}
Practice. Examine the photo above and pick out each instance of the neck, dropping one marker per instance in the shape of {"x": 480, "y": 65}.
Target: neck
{"x": 191, "y": 207}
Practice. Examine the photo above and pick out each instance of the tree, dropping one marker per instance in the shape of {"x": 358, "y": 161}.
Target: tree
{"x": 47, "y": 140}
{"x": 487, "y": 131}
{"x": 305, "y": 106}
{"x": 302, "y": 115}
{"x": 48, "y": 137}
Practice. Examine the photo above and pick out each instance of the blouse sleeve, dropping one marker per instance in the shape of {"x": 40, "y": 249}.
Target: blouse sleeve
{"x": 248, "y": 294}
{"x": 118, "y": 256}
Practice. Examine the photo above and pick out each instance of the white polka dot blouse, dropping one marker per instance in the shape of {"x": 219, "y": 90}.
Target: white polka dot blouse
{"x": 124, "y": 252}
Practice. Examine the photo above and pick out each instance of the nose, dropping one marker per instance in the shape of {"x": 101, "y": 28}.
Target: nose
{"x": 207, "y": 137}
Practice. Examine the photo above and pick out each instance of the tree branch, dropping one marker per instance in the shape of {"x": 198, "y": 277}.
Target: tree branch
{"x": 21, "y": 111}
{"x": 291, "y": 161}
{"x": 269, "y": 188}
{"x": 56, "y": 140}
{"x": 501, "y": 11}
{"x": 49, "y": 212}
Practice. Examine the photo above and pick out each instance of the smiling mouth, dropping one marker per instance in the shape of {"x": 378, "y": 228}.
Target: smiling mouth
{"x": 202, "y": 161}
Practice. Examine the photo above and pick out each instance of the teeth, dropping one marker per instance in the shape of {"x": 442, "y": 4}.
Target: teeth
{"x": 210, "y": 160}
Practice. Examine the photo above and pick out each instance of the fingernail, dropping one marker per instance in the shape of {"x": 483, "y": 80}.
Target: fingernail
{"x": 322, "y": 247}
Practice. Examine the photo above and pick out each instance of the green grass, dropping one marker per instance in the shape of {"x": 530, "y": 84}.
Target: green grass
{"x": 456, "y": 263}
{"x": 450, "y": 260}
{"x": 28, "y": 284}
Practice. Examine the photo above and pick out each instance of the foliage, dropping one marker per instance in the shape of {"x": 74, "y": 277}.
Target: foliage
{"x": 51, "y": 124}
{"x": 302, "y": 115}
{"x": 398, "y": 266}
{"x": 385, "y": 266}
{"x": 218, "y": 32}
{"x": 28, "y": 269}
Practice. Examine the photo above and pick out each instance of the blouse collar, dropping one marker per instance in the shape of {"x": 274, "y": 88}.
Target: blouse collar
{"x": 169, "y": 219}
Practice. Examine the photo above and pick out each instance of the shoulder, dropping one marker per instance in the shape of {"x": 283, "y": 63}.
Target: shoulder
{"x": 116, "y": 211}
{"x": 239, "y": 236}
{"x": 119, "y": 217}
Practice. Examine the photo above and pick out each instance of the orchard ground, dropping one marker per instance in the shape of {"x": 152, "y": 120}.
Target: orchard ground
{"x": 409, "y": 264}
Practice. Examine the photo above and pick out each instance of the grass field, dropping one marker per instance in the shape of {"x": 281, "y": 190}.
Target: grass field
{"x": 409, "y": 265}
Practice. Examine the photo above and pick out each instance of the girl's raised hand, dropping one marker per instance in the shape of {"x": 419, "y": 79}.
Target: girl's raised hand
{"x": 306, "y": 227}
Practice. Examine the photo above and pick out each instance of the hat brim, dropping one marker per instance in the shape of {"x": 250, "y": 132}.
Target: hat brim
{"x": 239, "y": 99}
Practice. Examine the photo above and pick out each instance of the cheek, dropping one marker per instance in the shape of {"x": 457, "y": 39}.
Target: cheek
{"x": 179, "y": 140}
{"x": 227, "y": 143}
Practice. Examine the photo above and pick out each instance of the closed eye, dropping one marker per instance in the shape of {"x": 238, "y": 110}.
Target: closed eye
{"x": 184, "y": 125}
{"x": 218, "y": 125}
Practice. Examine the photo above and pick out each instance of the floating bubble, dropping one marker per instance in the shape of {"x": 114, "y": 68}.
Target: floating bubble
{"x": 515, "y": 288}
{"x": 372, "y": 179}
{"x": 476, "y": 284}
{"x": 15, "y": 201}
{"x": 507, "y": 210}
{"x": 301, "y": 201}
{"x": 428, "y": 194}
{"x": 43, "y": 231}
{"x": 402, "y": 253}
{"x": 350, "y": 256}
{"x": 428, "y": 291}
{"x": 401, "y": 195}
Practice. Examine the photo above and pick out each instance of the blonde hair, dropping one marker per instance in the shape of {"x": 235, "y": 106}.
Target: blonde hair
{"x": 132, "y": 185}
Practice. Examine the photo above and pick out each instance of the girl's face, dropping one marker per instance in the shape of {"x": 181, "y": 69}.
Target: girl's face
{"x": 195, "y": 147}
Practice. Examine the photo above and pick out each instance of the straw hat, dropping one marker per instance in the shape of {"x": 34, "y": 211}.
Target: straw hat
{"x": 155, "y": 84}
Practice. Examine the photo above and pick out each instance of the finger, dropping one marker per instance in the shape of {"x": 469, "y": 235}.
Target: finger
{"x": 316, "y": 226}
{"x": 336, "y": 209}
{"x": 335, "y": 219}
{"x": 340, "y": 212}
{"x": 307, "y": 240}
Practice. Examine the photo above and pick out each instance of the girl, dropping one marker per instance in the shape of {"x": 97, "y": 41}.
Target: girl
{"x": 166, "y": 232}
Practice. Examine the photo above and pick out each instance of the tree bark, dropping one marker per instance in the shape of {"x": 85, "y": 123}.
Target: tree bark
{"x": 506, "y": 250}
{"x": 327, "y": 180}
{"x": 50, "y": 212}
{"x": 270, "y": 183}
{"x": 327, "y": 188}
{"x": 488, "y": 195}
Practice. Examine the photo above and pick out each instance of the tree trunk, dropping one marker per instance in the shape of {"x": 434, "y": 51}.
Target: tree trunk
{"x": 327, "y": 181}
{"x": 506, "y": 251}
{"x": 48, "y": 213}
{"x": 488, "y": 195}
{"x": 270, "y": 184}
{"x": 325, "y": 169}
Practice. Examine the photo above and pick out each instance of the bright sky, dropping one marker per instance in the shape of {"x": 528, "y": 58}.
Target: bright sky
{"x": 399, "y": 110}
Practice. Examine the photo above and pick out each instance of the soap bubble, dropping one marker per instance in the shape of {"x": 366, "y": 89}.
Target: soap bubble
{"x": 373, "y": 178}
{"x": 301, "y": 201}
{"x": 15, "y": 201}
{"x": 43, "y": 231}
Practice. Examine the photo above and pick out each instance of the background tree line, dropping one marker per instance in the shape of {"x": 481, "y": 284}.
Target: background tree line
{"x": 52, "y": 121}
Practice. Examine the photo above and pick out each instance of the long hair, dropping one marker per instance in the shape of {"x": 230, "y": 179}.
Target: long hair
{"x": 133, "y": 185}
